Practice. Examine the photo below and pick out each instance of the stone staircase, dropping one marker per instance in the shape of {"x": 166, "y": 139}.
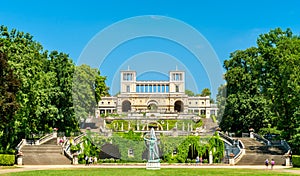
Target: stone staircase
{"x": 209, "y": 126}
{"x": 48, "y": 153}
{"x": 257, "y": 153}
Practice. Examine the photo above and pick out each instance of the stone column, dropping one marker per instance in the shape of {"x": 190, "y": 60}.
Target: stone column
{"x": 210, "y": 157}
{"x": 75, "y": 159}
{"x": 122, "y": 126}
{"x": 167, "y": 126}
{"x": 20, "y": 158}
{"x": 231, "y": 159}
{"x": 182, "y": 126}
{"x": 251, "y": 131}
{"x": 287, "y": 159}
{"x": 138, "y": 126}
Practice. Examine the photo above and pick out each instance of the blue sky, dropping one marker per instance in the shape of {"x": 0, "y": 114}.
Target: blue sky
{"x": 69, "y": 26}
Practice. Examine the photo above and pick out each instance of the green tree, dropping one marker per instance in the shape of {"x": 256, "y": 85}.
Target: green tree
{"x": 205, "y": 92}
{"x": 88, "y": 88}
{"x": 63, "y": 69}
{"x": 263, "y": 86}
{"x": 45, "y": 94}
{"x": 221, "y": 101}
{"x": 9, "y": 86}
{"x": 189, "y": 93}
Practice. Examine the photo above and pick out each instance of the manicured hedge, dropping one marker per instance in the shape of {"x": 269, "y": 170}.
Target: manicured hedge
{"x": 7, "y": 160}
{"x": 296, "y": 160}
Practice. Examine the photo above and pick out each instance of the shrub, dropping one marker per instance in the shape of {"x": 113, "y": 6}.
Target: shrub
{"x": 296, "y": 160}
{"x": 7, "y": 160}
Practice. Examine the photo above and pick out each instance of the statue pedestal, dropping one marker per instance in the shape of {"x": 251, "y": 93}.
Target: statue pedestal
{"x": 20, "y": 160}
{"x": 153, "y": 166}
{"x": 231, "y": 159}
{"x": 75, "y": 159}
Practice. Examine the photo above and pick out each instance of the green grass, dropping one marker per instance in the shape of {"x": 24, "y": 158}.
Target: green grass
{"x": 144, "y": 172}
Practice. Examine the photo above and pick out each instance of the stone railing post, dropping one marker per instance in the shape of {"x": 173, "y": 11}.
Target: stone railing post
{"x": 251, "y": 131}
{"x": 231, "y": 159}
{"x": 75, "y": 159}
{"x": 287, "y": 159}
{"x": 55, "y": 133}
{"x": 20, "y": 158}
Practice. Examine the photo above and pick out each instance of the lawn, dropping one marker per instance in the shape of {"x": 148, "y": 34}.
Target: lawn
{"x": 144, "y": 172}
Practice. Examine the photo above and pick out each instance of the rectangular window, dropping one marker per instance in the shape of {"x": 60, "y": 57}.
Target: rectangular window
{"x": 177, "y": 88}
{"x": 127, "y": 88}
{"x": 127, "y": 76}
{"x": 130, "y": 153}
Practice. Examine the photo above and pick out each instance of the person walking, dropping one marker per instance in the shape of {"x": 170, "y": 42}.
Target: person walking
{"x": 272, "y": 163}
{"x": 267, "y": 163}
{"x": 197, "y": 160}
{"x": 86, "y": 158}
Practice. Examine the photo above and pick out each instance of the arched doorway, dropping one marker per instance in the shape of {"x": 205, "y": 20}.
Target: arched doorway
{"x": 126, "y": 106}
{"x": 178, "y": 106}
{"x": 152, "y": 105}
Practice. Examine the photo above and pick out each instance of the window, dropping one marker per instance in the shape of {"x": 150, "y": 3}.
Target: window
{"x": 130, "y": 153}
{"x": 177, "y": 77}
{"x": 127, "y": 88}
{"x": 177, "y": 88}
{"x": 127, "y": 76}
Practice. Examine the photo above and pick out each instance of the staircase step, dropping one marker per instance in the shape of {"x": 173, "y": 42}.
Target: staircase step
{"x": 48, "y": 153}
{"x": 44, "y": 159}
{"x": 257, "y": 153}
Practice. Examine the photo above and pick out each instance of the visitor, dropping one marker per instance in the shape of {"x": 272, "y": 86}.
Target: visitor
{"x": 267, "y": 163}
{"x": 200, "y": 160}
{"x": 91, "y": 160}
{"x": 197, "y": 160}
{"x": 95, "y": 160}
{"x": 272, "y": 163}
{"x": 86, "y": 158}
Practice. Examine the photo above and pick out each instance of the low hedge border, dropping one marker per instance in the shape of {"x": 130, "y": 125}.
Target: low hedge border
{"x": 296, "y": 160}
{"x": 7, "y": 160}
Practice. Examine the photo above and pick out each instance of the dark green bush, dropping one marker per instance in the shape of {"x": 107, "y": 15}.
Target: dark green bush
{"x": 7, "y": 160}
{"x": 296, "y": 160}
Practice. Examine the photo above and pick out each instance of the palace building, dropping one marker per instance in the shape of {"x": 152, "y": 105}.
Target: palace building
{"x": 155, "y": 96}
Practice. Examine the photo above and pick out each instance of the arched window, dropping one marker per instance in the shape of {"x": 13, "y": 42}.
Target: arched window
{"x": 126, "y": 106}
{"x": 178, "y": 106}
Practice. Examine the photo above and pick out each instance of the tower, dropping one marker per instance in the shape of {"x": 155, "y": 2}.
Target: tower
{"x": 177, "y": 83}
{"x": 128, "y": 81}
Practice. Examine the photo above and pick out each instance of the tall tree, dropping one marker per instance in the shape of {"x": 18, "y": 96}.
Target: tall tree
{"x": 88, "y": 88}
{"x": 205, "y": 92}
{"x": 9, "y": 86}
{"x": 63, "y": 69}
{"x": 221, "y": 101}
{"x": 263, "y": 86}
{"x": 45, "y": 95}
{"x": 189, "y": 93}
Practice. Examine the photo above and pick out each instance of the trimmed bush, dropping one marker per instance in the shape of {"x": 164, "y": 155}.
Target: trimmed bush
{"x": 296, "y": 160}
{"x": 7, "y": 160}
